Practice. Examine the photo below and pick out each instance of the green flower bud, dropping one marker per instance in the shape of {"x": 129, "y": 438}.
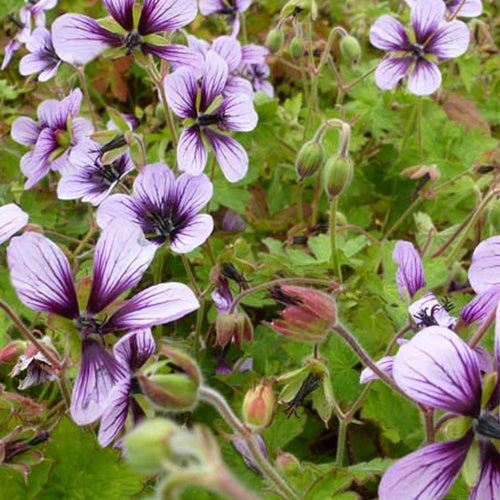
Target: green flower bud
{"x": 147, "y": 445}
{"x": 310, "y": 159}
{"x": 296, "y": 48}
{"x": 275, "y": 40}
{"x": 338, "y": 175}
{"x": 350, "y": 49}
{"x": 287, "y": 463}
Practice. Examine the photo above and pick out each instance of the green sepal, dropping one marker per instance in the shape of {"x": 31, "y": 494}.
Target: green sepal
{"x": 471, "y": 468}
{"x": 156, "y": 39}
{"x": 456, "y": 427}
{"x": 108, "y": 23}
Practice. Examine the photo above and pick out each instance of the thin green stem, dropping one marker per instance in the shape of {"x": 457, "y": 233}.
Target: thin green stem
{"x": 85, "y": 241}
{"x": 420, "y": 130}
{"x": 199, "y": 323}
{"x": 337, "y": 271}
{"x": 86, "y": 93}
{"x": 402, "y": 218}
{"x": 168, "y": 114}
{"x": 316, "y": 198}
{"x": 350, "y": 85}
{"x": 190, "y": 274}
{"x": 341, "y": 443}
{"x": 300, "y": 208}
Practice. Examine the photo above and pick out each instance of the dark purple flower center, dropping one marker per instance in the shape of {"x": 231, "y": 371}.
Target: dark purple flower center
{"x": 488, "y": 425}
{"x": 117, "y": 142}
{"x": 87, "y": 325}
{"x": 417, "y": 50}
{"x": 162, "y": 227}
{"x": 107, "y": 174}
{"x": 133, "y": 41}
{"x": 229, "y": 8}
{"x": 204, "y": 120}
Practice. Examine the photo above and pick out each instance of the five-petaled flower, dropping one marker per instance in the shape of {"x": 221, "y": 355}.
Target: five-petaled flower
{"x": 207, "y": 111}
{"x": 433, "y": 37}
{"x": 166, "y": 208}
{"x": 41, "y": 276}
{"x": 78, "y": 39}
{"x": 232, "y": 9}
{"x": 42, "y": 58}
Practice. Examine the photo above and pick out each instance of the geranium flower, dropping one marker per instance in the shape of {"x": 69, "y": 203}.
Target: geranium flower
{"x": 41, "y": 276}
{"x": 468, "y": 8}
{"x": 43, "y": 58}
{"x": 432, "y": 37}
{"x": 164, "y": 207}
{"x": 439, "y": 370}
{"x": 57, "y": 131}
{"x": 12, "y": 219}
{"x": 78, "y": 39}
{"x": 232, "y": 9}
{"x": 207, "y": 114}
{"x": 131, "y": 352}
{"x": 254, "y": 67}
{"x": 87, "y": 178}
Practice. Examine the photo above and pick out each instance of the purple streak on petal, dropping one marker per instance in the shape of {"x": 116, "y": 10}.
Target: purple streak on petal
{"x": 209, "y": 7}
{"x": 155, "y": 305}
{"x": 54, "y": 114}
{"x": 181, "y": 89}
{"x": 10, "y": 48}
{"x": 247, "y": 365}
{"x": 488, "y": 485}
{"x": 229, "y": 49}
{"x": 388, "y": 33}
{"x": 231, "y": 156}
{"x": 426, "y": 17}
{"x": 238, "y": 114}
{"x": 385, "y": 364}
{"x": 426, "y": 473}
{"x": 429, "y": 306}
{"x": 241, "y": 446}
{"x": 193, "y": 235}
{"x": 134, "y": 349}
{"x": 121, "y": 257}
{"x": 410, "y": 274}
{"x": 43, "y": 58}
{"x": 114, "y": 413}
{"x": 484, "y": 271}
{"x": 480, "y": 307}
{"x": 451, "y": 39}
{"x": 25, "y": 131}
{"x": 122, "y": 12}
{"x": 37, "y": 165}
{"x": 438, "y": 369}
{"x": 154, "y": 186}
{"x": 391, "y": 71}
{"x": 166, "y": 15}
{"x": 41, "y": 275}
{"x": 214, "y": 79}
{"x": 79, "y": 39}
{"x": 98, "y": 373}
{"x": 191, "y": 152}
{"x": 198, "y": 45}
{"x": 222, "y": 296}
{"x": 253, "y": 54}
{"x": 483, "y": 359}
{"x": 192, "y": 192}
{"x": 238, "y": 85}
{"x": 12, "y": 220}
{"x": 425, "y": 78}
{"x": 119, "y": 206}
{"x": 178, "y": 56}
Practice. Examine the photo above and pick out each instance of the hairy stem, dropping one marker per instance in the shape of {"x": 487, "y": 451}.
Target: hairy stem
{"x": 333, "y": 239}
{"x": 341, "y": 443}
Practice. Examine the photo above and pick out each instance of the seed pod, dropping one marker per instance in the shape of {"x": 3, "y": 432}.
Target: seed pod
{"x": 310, "y": 159}
{"x": 338, "y": 175}
{"x": 275, "y": 40}
{"x": 350, "y": 49}
{"x": 296, "y": 48}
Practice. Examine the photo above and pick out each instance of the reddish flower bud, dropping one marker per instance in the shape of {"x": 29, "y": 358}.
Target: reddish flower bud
{"x": 258, "y": 406}
{"x": 287, "y": 462}
{"x": 235, "y": 326}
{"x": 11, "y": 352}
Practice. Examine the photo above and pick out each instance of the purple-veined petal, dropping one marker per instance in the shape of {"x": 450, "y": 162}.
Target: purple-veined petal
{"x": 425, "y": 78}
{"x": 385, "y": 364}
{"x": 121, "y": 256}
{"x": 214, "y": 79}
{"x": 426, "y": 17}
{"x": 481, "y": 306}
{"x": 36, "y": 165}
{"x": 166, "y": 15}
{"x": 25, "y": 131}
{"x": 49, "y": 72}
{"x": 484, "y": 271}
{"x": 194, "y": 234}
{"x": 451, "y": 39}
{"x": 61, "y": 163}
{"x": 154, "y": 186}
{"x": 134, "y": 349}
{"x": 78, "y": 39}
{"x": 191, "y": 152}
{"x": 98, "y": 373}
{"x": 81, "y": 129}
{"x": 242, "y": 447}
{"x": 253, "y": 54}
{"x": 39, "y": 39}
{"x": 10, "y": 48}
{"x": 238, "y": 85}
{"x": 118, "y": 206}
{"x": 242, "y": 5}
{"x": 155, "y": 305}
{"x": 438, "y": 369}
{"x": 388, "y": 33}
{"x": 483, "y": 359}
{"x": 231, "y": 156}
{"x": 12, "y": 219}
{"x": 264, "y": 87}
{"x": 181, "y": 89}
{"x": 488, "y": 485}
{"x": 41, "y": 275}
{"x": 410, "y": 274}
{"x": 178, "y": 56}
{"x": 469, "y": 8}
{"x": 391, "y": 71}
{"x": 427, "y": 309}
{"x": 32, "y": 63}
{"x": 239, "y": 113}
{"x": 427, "y": 473}
{"x": 122, "y": 11}
{"x": 230, "y": 50}
{"x": 198, "y": 45}
{"x": 209, "y": 7}
{"x": 114, "y": 413}
{"x": 54, "y": 114}
{"x": 193, "y": 192}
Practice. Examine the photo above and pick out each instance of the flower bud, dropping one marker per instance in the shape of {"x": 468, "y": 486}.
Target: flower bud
{"x": 296, "y": 48}
{"x": 287, "y": 463}
{"x": 244, "y": 330}
{"x": 350, "y": 49}
{"x": 310, "y": 159}
{"x": 172, "y": 391}
{"x": 275, "y": 40}
{"x": 225, "y": 326}
{"x": 258, "y": 406}
{"x": 11, "y": 352}
{"x": 338, "y": 175}
{"x": 148, "y": 444}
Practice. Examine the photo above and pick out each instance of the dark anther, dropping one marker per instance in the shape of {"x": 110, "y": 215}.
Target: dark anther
{"x": 109, "y": 173}
{"x": 300, "y": 240}
{"x": 208, "y": 119}
{"x": 277, "y": 294}
{"x": 133, "y": 41}
{"x": 117, "y": 142}
{"x": 15, "y": 21}
{"x": 17, "y": 447}
{"x": 448, "y": 304}
{"x": 420, "y": 185}
{"x": 298, "y": 9}
{"x": 310, "y": 384}
{"x": 229, "y": 271}
{"x": 427, "y": 318}
{"x": 163, "y": 225}
{"x": 487, "y": 425}
{"x": 417, "y": 50}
